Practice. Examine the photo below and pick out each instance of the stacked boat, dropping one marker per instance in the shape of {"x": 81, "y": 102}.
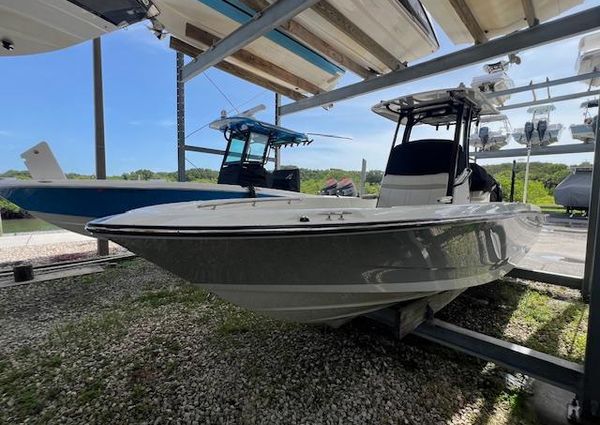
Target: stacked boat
{"x": 586, "y": 131}
{"x": 423, "y": 236}
{"x": 494, "y": 80}
{"x": 538, "y": 131}
{"x": 491, "y": 133}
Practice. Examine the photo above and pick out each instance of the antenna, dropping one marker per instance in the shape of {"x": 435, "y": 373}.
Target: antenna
{"x": 253, "y": 111}
{"x": 333, "y": 136}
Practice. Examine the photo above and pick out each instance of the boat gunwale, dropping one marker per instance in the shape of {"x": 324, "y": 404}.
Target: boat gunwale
{"x": 295, "y": 230}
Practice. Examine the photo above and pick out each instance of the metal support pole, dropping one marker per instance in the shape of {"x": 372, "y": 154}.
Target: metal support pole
{"x": 180, "y": 119}
{"x": 526, "y": 184}
{"x": 590, "y": 252}
{"x": 277, "y": 122}
{"x": 363, "y": 177}
{"x": 513, "y": 175}
{"x": 591, "y": 289}
{"x": 102, "y": 246}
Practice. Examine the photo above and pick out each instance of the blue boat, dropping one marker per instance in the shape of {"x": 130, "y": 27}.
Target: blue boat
{"x": 70, "y": 204}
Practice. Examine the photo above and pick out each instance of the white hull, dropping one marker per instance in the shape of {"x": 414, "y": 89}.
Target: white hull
{"x": 261, "y": 256}
{"x": 583, "y": 132}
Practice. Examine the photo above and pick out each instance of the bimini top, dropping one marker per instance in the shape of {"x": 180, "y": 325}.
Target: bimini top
{"x": 278, "y": 136}
{"x": 543, "y": 109}
{"x": 434, "y": 99}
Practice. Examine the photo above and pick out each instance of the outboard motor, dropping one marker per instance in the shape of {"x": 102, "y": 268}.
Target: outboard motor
{"x": 346, "y": 187}
{"x": 330, "y": 187}
{"x": 542, "y": 127}
{"x": 529, "y": 129}
{"x": 484, "y": 136}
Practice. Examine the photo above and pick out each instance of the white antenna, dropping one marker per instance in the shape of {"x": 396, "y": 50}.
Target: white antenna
{"x": 253, "y": 111}
{"x": 333, "y": 136}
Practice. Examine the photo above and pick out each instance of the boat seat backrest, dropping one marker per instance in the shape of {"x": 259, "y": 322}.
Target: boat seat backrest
{"x": 417, "y": 173}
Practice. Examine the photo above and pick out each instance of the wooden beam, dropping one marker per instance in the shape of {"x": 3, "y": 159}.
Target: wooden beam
{"x": 466, "y": 16}
{"x": 338, "y": 20}
{"x": 192, "y": 51}
{"x": 302, "y": 33}
{"x": 250, "y": 59}
{"x": 529, "y": 10}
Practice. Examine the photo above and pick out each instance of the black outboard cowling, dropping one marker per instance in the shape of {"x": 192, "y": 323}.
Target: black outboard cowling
{"x": 346, "y": 187}
{"x": 330, "y": 187}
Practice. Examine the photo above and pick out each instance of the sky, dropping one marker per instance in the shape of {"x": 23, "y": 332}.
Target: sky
{"x": 49, "y": 97}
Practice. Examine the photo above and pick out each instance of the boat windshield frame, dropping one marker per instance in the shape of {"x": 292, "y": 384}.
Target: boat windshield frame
{"x": 460, "y": 112}
{"x": 244, "y": 157}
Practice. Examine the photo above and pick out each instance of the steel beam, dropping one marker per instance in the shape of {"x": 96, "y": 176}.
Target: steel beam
{"x": 542, "y": 150}
{"x": 550, "y": 369}
{"x": 567, "y": 281}
{"x": 550, "y": 100}
{"x": 102, "y": 245}
{"x": 180, "y": 98}
{"x": 558, "y": 29}
{"x": 544, "y": 84}
{"x": 277, "y": 122}
{"x": 269, "y": 19}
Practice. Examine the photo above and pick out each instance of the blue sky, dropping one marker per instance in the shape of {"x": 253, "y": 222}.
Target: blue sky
{"x": 49, "y": 97}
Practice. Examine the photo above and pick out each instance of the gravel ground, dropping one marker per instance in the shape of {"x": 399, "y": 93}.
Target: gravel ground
{"x": 43, "y": 254}
{"x": 137, "y": 345}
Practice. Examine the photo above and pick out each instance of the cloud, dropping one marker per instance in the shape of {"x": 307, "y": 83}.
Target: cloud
{"x": 5, "y": 133}
{"x": 165, "y": 123}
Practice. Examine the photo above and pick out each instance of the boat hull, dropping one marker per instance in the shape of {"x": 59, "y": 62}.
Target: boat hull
{"x": 71, "y": 204}
{"x": 334, "y": 276}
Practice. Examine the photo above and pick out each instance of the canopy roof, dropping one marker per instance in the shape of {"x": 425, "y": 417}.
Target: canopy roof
{"x": 433, "y": 99}
{"x": 278, "y": 136}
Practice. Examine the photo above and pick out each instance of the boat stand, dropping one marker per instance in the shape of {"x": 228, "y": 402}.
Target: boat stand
{"x": 418, "y": 318}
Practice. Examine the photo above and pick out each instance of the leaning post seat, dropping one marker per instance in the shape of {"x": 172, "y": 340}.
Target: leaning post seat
{"x": 417, "y": 173}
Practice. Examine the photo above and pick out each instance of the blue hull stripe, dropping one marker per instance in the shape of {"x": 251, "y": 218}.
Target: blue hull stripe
{"x": 102, "y": 202}
{"x": 231, "y": 9}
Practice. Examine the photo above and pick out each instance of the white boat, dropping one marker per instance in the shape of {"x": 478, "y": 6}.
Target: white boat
{"x": 589, "y": 57}
{"x": 586, "y": 131}
{"x": 495, "y": 17}
{"x": 404, "y": 33}
{"x": 496, "y": 79}
{"x": 422, "y": 236}
{"x": 37, "y": 26}
{"x": 538, "y": 131}
{"x": 491, "y": 133}
{"x": 70, "y": 204}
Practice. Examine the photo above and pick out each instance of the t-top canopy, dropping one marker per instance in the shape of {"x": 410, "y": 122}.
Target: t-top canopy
{"x": 433, "y": 99}
{"x": 544, "y": 109}
{"x": 278, "y": 136}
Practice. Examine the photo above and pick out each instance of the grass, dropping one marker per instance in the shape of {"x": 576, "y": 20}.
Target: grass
{"x": 188, "y": 295}
{"x": 33, "y": 378}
